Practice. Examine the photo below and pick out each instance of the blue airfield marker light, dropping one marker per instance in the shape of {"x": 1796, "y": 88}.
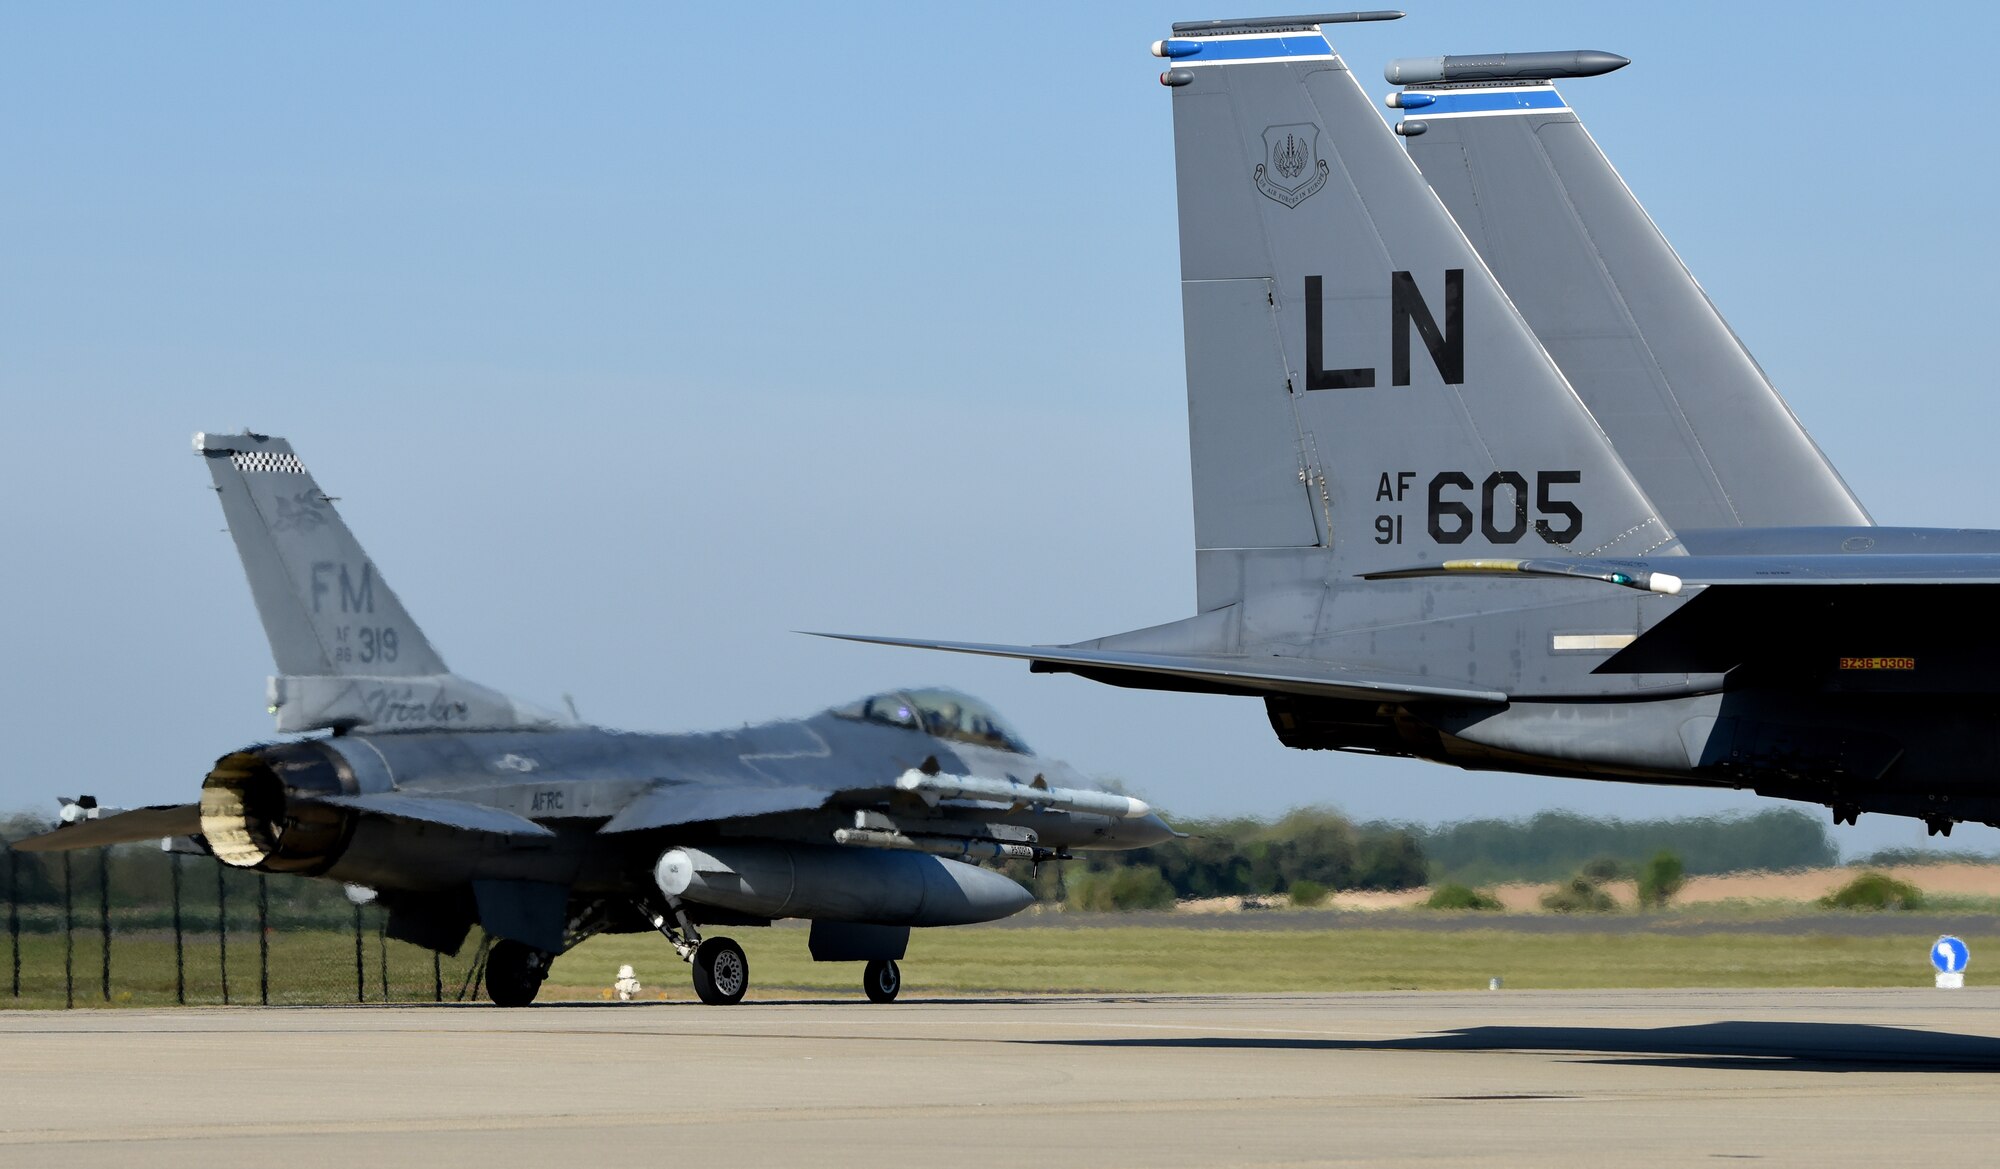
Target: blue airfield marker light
{"x": 1950, "y": 956}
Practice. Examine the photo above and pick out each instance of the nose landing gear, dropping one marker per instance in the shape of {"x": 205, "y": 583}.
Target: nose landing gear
{"x": 721, "y": 972}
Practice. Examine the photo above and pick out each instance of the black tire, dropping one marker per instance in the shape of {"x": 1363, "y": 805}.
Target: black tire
{"x": 514, "y": 973}
{"x": 721, "y": 972}
{"x": 883, "y": 980}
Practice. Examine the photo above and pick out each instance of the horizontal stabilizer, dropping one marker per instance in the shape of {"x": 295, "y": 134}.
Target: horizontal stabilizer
{"x": 696, "y": 803}
{"x": 433, "y": 810}
{"x": 150, "y": 824}
{"x": 1268, "y": 675}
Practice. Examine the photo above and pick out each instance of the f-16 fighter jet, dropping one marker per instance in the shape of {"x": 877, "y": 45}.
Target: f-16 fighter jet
{"x": 459, "y": 805}
{"x": 1422, "y": 530}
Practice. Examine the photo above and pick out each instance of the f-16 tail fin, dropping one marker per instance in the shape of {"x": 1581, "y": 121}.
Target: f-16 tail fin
{"x": 325, "y": 607}
{"x": 1357, "y": 379}
{"x": 1686, "y": 407}
{"x": 348, "y": 654}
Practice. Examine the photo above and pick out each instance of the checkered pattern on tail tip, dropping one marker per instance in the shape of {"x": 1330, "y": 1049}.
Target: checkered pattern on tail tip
{"x": 283, "y": 464}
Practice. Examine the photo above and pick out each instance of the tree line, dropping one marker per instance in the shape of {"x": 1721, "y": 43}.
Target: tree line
{"x": 1313, "y": 851}
{"x": 1303, "y": 854}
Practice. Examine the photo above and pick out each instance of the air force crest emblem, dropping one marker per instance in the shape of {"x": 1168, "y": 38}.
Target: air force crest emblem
{"x": 1292, "y": 170}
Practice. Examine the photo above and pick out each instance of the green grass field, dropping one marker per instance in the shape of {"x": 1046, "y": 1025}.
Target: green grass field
{"x": 318, "y": 966}
{"x": 1181, "y": 960}
{"x": 306, "y": 966}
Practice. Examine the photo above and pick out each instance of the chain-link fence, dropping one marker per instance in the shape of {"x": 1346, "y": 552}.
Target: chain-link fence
{"x": 142, "y": 926}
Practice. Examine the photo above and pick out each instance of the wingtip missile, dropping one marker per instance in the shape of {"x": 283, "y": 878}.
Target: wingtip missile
{"x": 1503, "y": 67}
{"x": 965, "y": 787}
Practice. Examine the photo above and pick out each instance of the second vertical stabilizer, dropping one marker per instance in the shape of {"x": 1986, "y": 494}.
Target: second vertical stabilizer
{"x": 1687, "y": 408}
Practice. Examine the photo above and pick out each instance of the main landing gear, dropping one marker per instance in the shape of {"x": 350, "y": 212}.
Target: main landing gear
{"x": 514, "y": 973}
{"x": 882, "y": 980}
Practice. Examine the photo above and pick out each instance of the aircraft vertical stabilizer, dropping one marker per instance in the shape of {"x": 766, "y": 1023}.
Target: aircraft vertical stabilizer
{"x": 348, "y": 654}
{"x": 1353, "y": 367}
{"x": 1686, "y": 406}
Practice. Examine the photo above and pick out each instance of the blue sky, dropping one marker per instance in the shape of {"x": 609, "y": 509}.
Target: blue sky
{"x": 633, "y": 338}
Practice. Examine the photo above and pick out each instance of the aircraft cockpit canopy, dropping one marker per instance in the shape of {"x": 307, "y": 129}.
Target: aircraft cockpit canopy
{"x": 946, "y": 714}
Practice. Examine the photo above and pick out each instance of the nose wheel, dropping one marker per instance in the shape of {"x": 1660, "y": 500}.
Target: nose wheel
{"x": 721, "y": 972}
{"x": 882, "y": 981}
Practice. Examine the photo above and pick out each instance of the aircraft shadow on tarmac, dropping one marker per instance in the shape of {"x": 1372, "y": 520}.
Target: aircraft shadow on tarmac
{"x": 1820, "y": 1047}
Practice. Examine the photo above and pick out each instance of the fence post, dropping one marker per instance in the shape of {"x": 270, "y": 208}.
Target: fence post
{"x": 14, "y": 913}
{"x": 69, "y": 939}
{"x": 382, "y": 952}
{"x": 263, "y": 940}
{"x": 180, "y": 964}
{"x": 360, "y": 977}
{"x": 104, "y": 914}
{"x": 437, "y": 977}
{"x": 222, "y": 924}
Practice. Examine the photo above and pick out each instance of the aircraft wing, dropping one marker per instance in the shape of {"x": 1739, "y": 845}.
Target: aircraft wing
{"x": 694, "y": 803}
{"x": 1213, "y": 672}
{"x": 151, "y": 824}
{"x": 433, "y": 810}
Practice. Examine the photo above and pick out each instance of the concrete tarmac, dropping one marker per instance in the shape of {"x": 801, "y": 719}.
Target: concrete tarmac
{"x": 1500, "y": 1078}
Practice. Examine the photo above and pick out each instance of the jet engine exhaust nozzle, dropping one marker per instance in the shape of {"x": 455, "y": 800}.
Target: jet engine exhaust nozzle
{"x": 258, "y": 810}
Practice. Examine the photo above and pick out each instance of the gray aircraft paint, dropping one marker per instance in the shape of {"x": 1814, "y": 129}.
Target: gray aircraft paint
{"x": 348, "y": 655}
{"x": 315, "y": 589}
{"x": 1833, "y": 662}
{"x": 459, "y": 805}
{"x": 1687, "y": 408}
{"x": 1299, "y": 406}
